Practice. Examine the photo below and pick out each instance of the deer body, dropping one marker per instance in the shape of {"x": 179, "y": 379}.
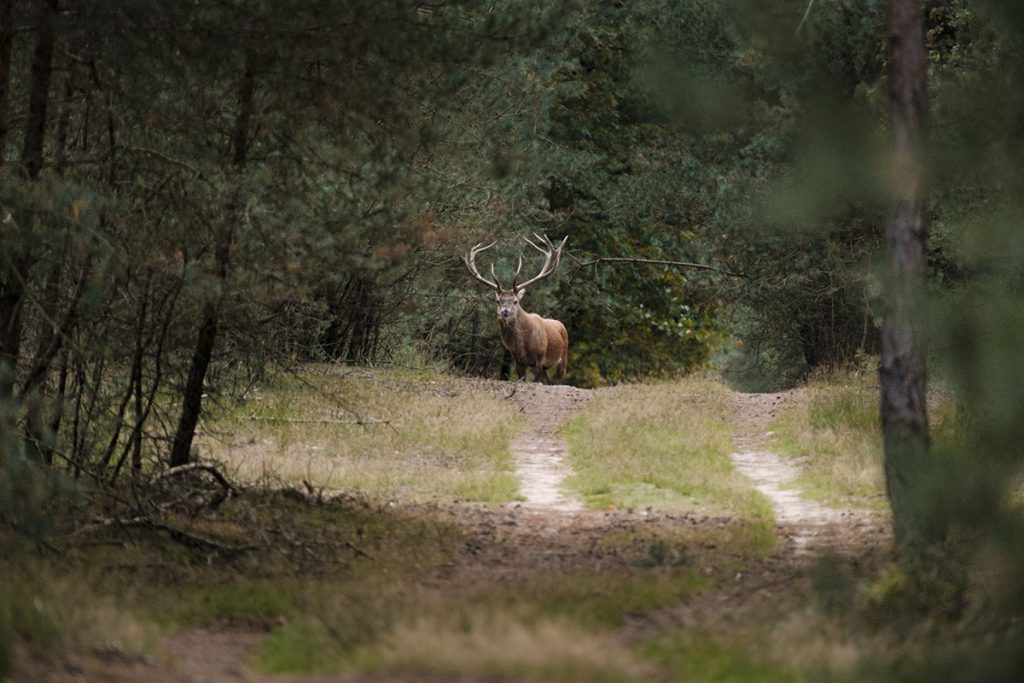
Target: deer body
{"x": 535, "y": 342}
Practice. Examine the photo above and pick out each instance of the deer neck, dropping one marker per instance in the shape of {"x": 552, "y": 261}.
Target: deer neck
{"x": 509, "y": 325}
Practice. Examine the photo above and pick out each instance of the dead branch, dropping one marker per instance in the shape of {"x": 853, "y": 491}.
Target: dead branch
{"x": 228, "y": 489}
{"x": 180, "y": 535}
{"x": 654, "y": 262}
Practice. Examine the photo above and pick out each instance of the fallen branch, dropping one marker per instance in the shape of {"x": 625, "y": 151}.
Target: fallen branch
{"x": 227, "y": 486}
{"x": 180, "y": 535}
{"x": 198, "y": 466}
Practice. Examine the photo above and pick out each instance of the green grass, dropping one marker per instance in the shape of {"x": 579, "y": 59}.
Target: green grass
{"x": 834, "y": 430}
{"x": 495, "y": 646}
{"x": 665, "y": 446}
{"x": 388, "y": 434}
{"x": 304, "y": 646}
{"x": 605, "y": 600}
{"x": 48, "y": 610}
{"x": 836, "y": 435}
{"x": 707, "y": 660}
{"x": 238, "y": 601}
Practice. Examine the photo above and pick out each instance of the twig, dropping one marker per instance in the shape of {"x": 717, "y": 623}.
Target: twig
{"x": 359, "y": 551}
{"x": 807, "y": 13}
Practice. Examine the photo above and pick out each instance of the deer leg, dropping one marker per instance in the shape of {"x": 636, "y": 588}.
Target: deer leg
{"x": 541, "y": 374}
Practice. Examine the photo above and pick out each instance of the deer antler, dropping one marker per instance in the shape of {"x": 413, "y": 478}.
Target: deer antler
{"x": 552, "y": 255}
{"x": 470, "y": 261}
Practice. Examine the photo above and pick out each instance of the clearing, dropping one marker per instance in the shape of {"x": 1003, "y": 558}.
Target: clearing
{"x": 624, "y": 582}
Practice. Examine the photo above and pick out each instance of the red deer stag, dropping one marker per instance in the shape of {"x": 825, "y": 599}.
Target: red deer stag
{"x": 535, "y": 342}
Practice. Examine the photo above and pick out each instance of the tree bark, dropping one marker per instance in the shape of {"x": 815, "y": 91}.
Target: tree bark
{"x": 902, "y": 366}
{"x": 6, "y": 54}
{"x": 192, "y": 398}
{"x": 39, "y": 90}
{"x": 18, "y": 261}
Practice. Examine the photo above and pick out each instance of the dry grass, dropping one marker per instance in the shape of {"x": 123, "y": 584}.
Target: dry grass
{"x": 835, "y": 434}
{"x": 834, "y": 431}
{"x": 664, "y": 446}
{"x": 387, "y": 434}
{"x": 490, "y": 644}
{"x": 57, "y": 612}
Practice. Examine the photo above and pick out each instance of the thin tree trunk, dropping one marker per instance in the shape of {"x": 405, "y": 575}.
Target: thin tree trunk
{"x": 6, "y": 53}
{"x": 902, "y": 367}
{"x": 18, "y": 262}
{"x": 39, "y": 89}
{"x": 192, "y": 399}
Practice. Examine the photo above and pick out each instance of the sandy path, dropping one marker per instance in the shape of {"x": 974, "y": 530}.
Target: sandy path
{"x": 540, "y": 453}
{"x": 807, "y": 525}
{"x": 549, "y": 531}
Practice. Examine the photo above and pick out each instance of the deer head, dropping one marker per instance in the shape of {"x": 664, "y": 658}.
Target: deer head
{"x": 509, "y": 298}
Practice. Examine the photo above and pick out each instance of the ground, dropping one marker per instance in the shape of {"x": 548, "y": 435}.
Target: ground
{"x": 552, "y": 531}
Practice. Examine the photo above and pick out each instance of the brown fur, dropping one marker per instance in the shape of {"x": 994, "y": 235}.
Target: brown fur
{"x": 536, "y": 343}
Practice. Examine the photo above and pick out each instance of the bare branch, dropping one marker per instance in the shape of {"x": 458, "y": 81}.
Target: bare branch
{"x": 198, "y": 467}
{"x": 361, "y": 421}
{"x": 655, "y": 262}
{"x": 803, "y": 21}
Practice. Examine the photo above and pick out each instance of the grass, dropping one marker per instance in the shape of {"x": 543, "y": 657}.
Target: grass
{"x": 665, "y": 446}
{"x": 539, "y": 626}
{"x": 362, "y": 584}
{"x": 500, "y": 646}
{"x": 836, "y": 435}
{"x": 388, "y": 434}
{"x": 710, "y": 660}
{"x": 834, "y": 431}
{"x": 46, "y": 609}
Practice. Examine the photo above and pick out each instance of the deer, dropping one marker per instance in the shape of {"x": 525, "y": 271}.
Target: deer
{"x": 535, "y": 342}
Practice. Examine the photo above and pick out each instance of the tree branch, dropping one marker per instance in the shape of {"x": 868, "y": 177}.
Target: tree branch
{"x": 655, "y": 262}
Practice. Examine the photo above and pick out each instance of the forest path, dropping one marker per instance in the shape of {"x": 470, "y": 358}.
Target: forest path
{"x": 807, "y": 526}
{"x": 540, "y": 454}
{"x": 551, "y": 533}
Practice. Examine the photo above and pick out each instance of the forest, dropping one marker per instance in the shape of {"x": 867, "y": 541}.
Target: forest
{"x": 258, "y": 417}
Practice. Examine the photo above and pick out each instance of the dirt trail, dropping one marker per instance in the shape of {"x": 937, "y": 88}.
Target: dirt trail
{"x": 550, "y": 530}
{"x": 808, "y": 526}
{"x": 540, "y": 454}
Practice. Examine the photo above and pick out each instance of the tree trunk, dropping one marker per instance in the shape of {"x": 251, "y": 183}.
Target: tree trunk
{"x": 6, "y": 53}
{"x": 18, "y": 261}
{"x": 192, "y": 399}
{"x": 39, "y": 90}
{"x": 902, "y": 366}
